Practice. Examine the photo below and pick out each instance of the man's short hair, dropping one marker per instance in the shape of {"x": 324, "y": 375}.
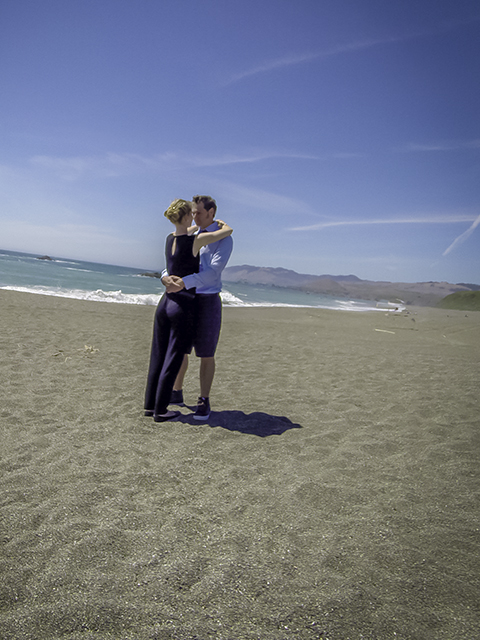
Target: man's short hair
{"x": 207, "y": 202}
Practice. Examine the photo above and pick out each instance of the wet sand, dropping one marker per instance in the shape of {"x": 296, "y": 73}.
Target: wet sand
{"x": 333, "y": 493}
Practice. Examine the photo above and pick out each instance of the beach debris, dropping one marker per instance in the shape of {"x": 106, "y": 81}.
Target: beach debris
{"x": 60, "y": 352}
{"x": 385, "y": 331}
{"x": 89, "y": 349}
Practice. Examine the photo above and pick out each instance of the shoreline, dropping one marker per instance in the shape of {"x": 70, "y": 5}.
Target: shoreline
{"x": 229, "y": 299}
{"x": 332, "y": 493}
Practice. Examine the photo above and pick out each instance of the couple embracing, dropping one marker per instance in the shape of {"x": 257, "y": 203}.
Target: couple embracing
{"x": 189, "y": 314}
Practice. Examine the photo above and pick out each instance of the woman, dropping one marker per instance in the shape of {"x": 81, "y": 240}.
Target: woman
{"x": 174, "y": 317}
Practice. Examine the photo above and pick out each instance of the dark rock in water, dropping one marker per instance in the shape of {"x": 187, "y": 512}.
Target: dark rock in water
{"x": 45, "y": 258}
{"x": 153, "y": 274}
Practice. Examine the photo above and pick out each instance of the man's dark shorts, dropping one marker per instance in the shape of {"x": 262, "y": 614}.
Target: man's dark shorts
{"x": 208, "y": 319}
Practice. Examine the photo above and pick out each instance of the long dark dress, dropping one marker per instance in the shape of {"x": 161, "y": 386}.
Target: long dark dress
{"x": 173, "y": 326}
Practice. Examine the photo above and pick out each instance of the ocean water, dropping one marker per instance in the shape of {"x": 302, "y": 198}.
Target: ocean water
{"x": 125, "y": 285}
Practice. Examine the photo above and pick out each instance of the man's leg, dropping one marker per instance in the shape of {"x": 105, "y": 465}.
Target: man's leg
{"x": 178, "y": 385}
{"x": 207, "y": 371}
{"x": 209, "y": 318}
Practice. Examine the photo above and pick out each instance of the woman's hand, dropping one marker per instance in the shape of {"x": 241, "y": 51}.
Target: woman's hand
{"x": 173, "y": 283}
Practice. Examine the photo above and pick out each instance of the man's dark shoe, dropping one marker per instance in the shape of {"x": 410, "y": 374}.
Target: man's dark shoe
{"x": 203, "y": 409}
{"x": 177, "y": 398}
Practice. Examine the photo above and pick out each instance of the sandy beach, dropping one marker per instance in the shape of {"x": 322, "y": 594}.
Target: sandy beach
{"x": 333, "y": 494}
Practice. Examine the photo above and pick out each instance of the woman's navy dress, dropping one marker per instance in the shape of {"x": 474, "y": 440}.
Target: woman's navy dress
{"x": 173, "y": 326}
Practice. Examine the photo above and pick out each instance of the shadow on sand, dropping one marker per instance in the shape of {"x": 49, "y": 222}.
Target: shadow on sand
{"x": 256, "y": 424}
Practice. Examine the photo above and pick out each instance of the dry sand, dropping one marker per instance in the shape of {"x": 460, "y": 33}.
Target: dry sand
{"x": 333, "y": 493}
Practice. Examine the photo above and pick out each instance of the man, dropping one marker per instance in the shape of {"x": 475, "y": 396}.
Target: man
{"x": 208, "y": 283}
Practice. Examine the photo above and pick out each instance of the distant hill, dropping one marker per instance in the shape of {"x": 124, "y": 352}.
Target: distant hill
{"x": 472, "y": 287}
{"x": 276, "y": 276}
{"x": 349, "y": 286}
{"x": 462, "y": 300}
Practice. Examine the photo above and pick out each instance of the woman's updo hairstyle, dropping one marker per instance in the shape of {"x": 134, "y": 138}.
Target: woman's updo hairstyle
{"x": 178, "y": 210}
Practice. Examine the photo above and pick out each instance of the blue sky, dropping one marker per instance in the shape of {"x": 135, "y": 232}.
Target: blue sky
{"x": 337, "y": 136}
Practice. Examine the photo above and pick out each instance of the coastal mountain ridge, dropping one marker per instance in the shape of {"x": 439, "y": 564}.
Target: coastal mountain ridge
{"x": 346, "y": 286}
{"x": 277, "y": 275}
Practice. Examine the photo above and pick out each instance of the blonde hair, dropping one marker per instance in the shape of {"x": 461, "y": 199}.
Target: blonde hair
{"x": 178, "y": 210}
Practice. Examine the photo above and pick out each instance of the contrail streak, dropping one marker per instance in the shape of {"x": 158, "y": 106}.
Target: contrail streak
{"x": 461, "y": 238}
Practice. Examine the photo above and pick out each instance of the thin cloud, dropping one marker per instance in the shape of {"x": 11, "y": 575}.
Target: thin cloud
{"x": 300, "y": 58}
{"x": 256, "y": 156}
{"x": 248, "y": 158}
{"x": 259, "y": 200}
{"x": 114, "y": 165}
{"x": 294, "y": 59}
{"x": 87, "y": 240}
{"x": 462, "y": 237}
{"x": 375, "y": 221}
{"x": 452, "y": 145}
{"x": 119, "y": 165}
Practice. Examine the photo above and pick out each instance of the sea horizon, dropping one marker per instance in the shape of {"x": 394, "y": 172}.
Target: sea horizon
{"x": 102, "y": 282}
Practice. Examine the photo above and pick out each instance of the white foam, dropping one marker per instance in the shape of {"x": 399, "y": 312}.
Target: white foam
{"x": 355, "y": 305}
{"x": 232, "y": 301}
{"x": 64, "y": 261}
{"x": 152, "y": 299}
{"x": 95, "y": 296}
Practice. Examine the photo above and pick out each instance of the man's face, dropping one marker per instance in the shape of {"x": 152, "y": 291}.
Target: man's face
{"x": 201, "y": 216}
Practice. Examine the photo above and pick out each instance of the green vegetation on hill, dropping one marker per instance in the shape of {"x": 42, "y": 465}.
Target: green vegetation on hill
{"x": 462, "y": 300}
